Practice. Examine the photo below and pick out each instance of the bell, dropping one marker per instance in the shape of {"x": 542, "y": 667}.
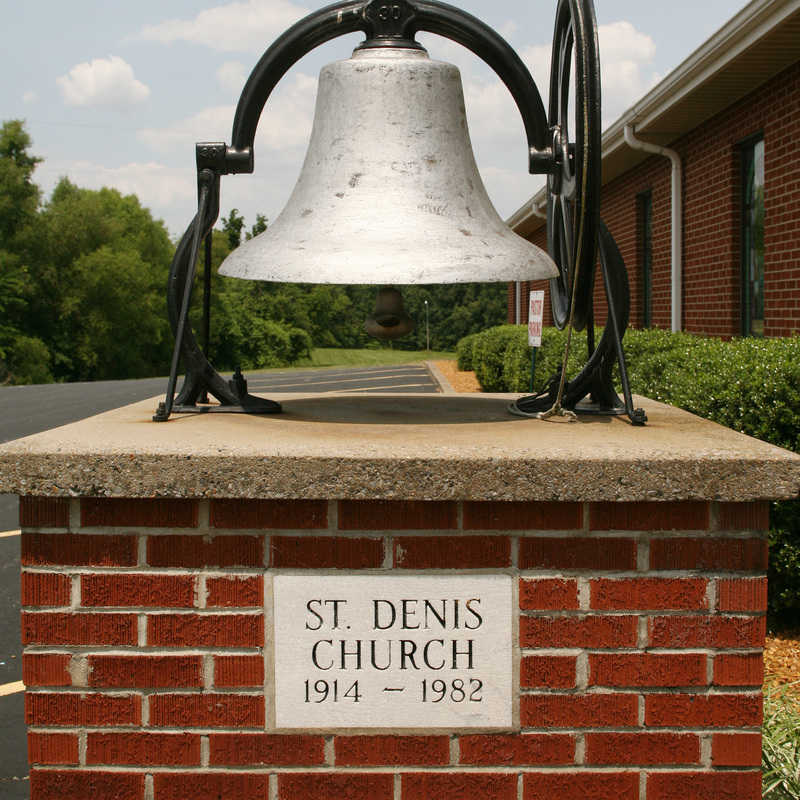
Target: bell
{"x": 389, "y": 192}
{"x": 389, "y": 319}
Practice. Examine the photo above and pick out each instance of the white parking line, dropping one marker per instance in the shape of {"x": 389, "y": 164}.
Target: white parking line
{"x": 12, "y": 688}
{"x": 7, "y": 534}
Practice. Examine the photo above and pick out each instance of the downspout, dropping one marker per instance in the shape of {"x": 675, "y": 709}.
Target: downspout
{"x": 677, "y": 220}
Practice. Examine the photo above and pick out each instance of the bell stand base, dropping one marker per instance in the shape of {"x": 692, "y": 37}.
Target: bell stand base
{"x": 592, "y": 392}
{"x": 201, "y": 378}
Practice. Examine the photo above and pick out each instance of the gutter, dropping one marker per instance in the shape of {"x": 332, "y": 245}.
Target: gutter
{"x": 676, "y": 222}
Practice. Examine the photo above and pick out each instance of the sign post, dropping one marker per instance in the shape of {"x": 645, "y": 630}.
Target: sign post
{"x": 535, "y": 318}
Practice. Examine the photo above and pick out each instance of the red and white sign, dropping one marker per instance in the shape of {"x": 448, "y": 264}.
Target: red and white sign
{"x": 535, "y": 317}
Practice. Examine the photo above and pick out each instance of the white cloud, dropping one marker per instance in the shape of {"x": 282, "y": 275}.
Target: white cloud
{"x": 108, "y": 82}
{"x": 626, "y": 56}
{"x": 169, "y": 192}
{"x": 231, "y": 76}
{"x": 29, "y": 98}
{"x": 285, "y": 124}
{"x": 240, "y": 26}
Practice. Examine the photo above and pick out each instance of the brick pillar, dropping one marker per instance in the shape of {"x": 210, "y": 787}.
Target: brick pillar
{"x": 638, "y": 652}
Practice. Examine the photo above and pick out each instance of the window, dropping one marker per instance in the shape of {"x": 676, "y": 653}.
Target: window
{"x": 644, "y": 239}
{"x": 753, "y": 238}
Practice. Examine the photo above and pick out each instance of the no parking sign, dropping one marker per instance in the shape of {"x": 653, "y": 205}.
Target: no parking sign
{"x": 535, "y": 317}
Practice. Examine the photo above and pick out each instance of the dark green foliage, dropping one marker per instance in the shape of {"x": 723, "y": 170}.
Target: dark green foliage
{"x": 751, "y": 385}
{"x": 784, "y": 564}
{"x": 464, "y": 352}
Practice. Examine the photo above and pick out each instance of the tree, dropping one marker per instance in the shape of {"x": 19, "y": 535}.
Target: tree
{"x": 98, "y": 263}
{"x": 22, "y": 358}
{"x": 259, "y": 226}
{"x": 232, "y": 225}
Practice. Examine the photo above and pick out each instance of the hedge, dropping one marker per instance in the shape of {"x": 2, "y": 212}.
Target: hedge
{"x": 750, "y": 385}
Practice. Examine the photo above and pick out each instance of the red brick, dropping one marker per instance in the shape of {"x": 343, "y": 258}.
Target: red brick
{"x": 397, "y": 515}
{"x": 549, "y": 672}
{"x": 45, "y": 589}
{"x": 207, "y": 710}
{"x": 675, "y": 594}
{"x": 205, "y": 630}
{"x": 52, "y": 748}
{"x": 647, "y": 669}
{"x": 459, "y": 786}
{"x": 75, "y": 549}
{"x": 517, "y": 750}
{"x": 73, "y": 629}
{"x": 743, "y": 516}
{"x": 669, "y": 516}
{"x": 210, "y": 786}
{"x": 578, "y": 711}
{"x": 194, "y": 552}
{"x": 265, "y": 749}
{"x": 736, "y": 750}
{"x": 238, "y": 671}
{"x": 235, "y": 591}
{"x": 707, "y": 631}
{"x": 551, "y": 594}
{"x": 329, "y": 552}
{"x": 523, "y": 516}
{"x": 578, "y": 631}
{"x": 43, "y": 512}
{"x": 84, "y": 709}
{"x": 78, "y": 785}
{"x": 742, "y": 594}
{"x": 46, "y": 669}
{"x": 391, "y": 751}
{"x": 159, "y": 591}
{"x": 703, "y": 711}
{"x": 577, "y": 553}
{"x": 709, "y": 554}
{"x": 269, "y": 514}
{"x": 331, "y": 786}
{"x": 581, "y": 786}
{"x": 704, "y": 785}
{"x": 143, "y": 749}
{"x": 642, "y": 748}
{"x": 452, "y": 552}
{"x": 734, "y": 669}
{"x": 145, "y": 672}
{"x": 127, "y": 512}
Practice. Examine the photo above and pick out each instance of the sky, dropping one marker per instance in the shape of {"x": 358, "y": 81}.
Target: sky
{"x": 116, "y": 93}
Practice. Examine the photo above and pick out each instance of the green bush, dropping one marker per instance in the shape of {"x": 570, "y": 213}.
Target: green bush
{"x": 750, "y": 385}
{"x": 488, "y": 357}
{"x": 464, "y": 352}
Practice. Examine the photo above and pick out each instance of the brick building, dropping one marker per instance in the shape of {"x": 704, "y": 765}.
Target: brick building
{"x": 730, "y": 115}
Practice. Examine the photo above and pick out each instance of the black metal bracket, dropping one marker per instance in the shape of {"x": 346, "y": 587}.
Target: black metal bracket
{"x": 596, "y": 379}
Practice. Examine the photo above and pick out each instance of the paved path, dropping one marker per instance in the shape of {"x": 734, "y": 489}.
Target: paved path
{"x": 25, "y": 410}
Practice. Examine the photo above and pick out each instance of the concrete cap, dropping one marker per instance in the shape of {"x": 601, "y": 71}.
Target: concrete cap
{"x": 421, "y": 447}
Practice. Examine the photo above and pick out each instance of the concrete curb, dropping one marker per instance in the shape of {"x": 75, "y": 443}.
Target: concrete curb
{"x": 438, "y": 376}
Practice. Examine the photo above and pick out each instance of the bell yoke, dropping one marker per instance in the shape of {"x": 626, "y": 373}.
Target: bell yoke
{"x": 390, "y": 194}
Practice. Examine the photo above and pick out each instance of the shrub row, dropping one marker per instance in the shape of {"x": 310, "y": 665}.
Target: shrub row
{"x": 750, "y": 385}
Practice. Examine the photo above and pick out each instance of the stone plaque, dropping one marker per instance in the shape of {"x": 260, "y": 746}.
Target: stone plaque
{"x": 381, "y": 651}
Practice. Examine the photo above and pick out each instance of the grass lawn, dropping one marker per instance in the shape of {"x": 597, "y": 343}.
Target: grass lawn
{"x": 336, "y": 357}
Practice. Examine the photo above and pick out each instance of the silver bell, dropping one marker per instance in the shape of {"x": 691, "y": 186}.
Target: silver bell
{"x": 389, "y": 193}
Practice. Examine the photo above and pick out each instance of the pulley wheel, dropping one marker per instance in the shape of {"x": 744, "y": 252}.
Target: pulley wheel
{"x": 573, "y": 187}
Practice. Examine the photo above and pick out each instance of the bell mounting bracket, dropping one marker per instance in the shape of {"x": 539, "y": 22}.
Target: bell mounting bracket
{"x": 385, "y": 23}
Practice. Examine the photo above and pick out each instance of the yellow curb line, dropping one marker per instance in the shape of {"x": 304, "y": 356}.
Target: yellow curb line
{"x": 12, "y": 688}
